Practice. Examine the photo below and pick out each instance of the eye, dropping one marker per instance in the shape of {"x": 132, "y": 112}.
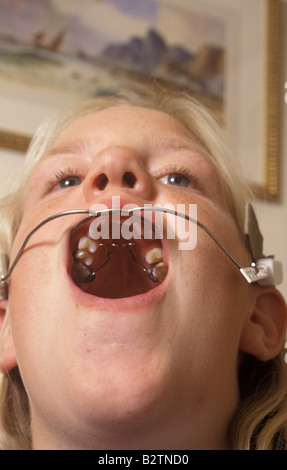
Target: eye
{"x": 64, "y": 179}
{"x": 68, "y": 182}
{"x": 175, "y": 179}
{"x": 176, "y": 176}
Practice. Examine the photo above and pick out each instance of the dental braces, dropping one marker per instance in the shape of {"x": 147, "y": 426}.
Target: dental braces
{"x": 156, "y": 272}
{"x": 90, "y": 274}
{"x": 265, "y": 271}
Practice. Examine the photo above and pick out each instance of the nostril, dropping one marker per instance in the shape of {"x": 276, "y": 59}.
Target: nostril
{"x": 101, "y": 181}
{"x": 129, "y": 178}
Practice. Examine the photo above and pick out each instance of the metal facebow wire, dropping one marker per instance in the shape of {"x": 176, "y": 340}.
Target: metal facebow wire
{"x": 251, "y": 273}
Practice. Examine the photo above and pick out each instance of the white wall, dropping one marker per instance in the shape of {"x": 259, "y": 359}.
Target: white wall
{"x": 10, "y": 166}
{"x": 272, "y": 216}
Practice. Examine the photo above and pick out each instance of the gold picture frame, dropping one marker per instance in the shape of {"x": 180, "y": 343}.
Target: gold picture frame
{"x": 14, "y": 141}
{"x": 269, "y": 187}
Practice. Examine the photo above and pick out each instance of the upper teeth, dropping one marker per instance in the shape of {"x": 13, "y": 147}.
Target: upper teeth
{"x": 85, "y": 257}
{"x": 159, "y": 271}
{"x": 87, "y": 247}
{"x": 85, "y": 243}
{"x": 154, "y": 256}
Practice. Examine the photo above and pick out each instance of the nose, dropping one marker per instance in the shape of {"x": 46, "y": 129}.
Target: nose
{"x": 117, "y": 167}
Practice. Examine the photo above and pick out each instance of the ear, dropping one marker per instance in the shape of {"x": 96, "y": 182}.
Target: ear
{"x": 7, "y": 353}
{"x": 264, "y": 330}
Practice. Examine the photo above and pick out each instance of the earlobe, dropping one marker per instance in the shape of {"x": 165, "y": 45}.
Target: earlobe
{"x": 7, "y": 353}
{"x": 264, "y": 330}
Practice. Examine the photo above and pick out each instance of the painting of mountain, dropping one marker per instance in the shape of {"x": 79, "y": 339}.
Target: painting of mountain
{"x": 76, "y": 45}
{"x": 152, "y": 56}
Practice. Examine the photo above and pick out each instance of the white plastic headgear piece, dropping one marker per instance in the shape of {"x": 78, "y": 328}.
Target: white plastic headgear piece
{"x": 265, "y": 270}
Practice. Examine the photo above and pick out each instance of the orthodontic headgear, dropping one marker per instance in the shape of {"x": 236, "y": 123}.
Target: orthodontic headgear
{"x": 264, "y": 270}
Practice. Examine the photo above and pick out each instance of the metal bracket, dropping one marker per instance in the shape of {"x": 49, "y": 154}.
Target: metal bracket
{"x": 4, "y": 263}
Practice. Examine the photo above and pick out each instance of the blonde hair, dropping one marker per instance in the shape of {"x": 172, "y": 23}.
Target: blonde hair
{"x": 260, "y": 420}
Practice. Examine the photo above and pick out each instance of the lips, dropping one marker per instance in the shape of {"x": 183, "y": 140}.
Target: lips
{"x": 117, "y": 258}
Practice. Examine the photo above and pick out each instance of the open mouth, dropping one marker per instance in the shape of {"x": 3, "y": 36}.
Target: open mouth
{"x": 113, "y": 260}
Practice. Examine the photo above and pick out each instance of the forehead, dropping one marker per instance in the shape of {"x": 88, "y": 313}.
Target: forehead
{"x": 128, "y": 121}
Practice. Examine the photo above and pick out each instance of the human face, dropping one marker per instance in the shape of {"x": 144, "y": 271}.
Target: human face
{"x": 128, "y": 371}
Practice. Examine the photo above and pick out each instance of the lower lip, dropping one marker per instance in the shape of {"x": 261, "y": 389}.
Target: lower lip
{"x": 128, "y": 304}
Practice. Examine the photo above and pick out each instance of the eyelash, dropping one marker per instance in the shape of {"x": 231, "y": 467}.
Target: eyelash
{"x": 180, "y": 171}
{"x": 62, "y": 174}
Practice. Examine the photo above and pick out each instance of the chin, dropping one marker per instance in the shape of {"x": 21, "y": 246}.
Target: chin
{"x": 121, "y": 398}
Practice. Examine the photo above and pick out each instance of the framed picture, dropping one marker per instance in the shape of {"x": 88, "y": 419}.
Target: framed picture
{"x": 224, "y": 52}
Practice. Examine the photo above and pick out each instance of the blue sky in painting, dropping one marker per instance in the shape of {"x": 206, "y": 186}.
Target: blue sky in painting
{"x": 144, "y": 9}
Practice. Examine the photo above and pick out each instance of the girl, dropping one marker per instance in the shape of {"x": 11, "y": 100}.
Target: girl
{"x": 94, "y": 354}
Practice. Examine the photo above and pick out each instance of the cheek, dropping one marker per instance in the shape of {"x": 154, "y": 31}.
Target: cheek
{"x": 32, "y": 307}
{"x": 209, "y": 320}
{"x": 40, "y": 325}
{"x": 208, "y": 327}
{"x": 28, "y": 284}
{"x": 214, "y": 295}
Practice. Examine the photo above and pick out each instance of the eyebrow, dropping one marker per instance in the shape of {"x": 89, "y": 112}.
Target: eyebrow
{"x": 167, "y": 143}
{"x": 74, "y": 147}
{"x": 176, "y": 145}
